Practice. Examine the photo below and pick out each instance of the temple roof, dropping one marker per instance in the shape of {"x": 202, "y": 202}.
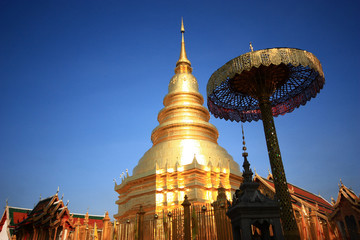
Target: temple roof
{"x": 348, "y": 194}
{"x": 299, "y": 194}
{"x": 48, "y": 212}
{"x": 345, "y": 194}
{"x": 14, "y": 214}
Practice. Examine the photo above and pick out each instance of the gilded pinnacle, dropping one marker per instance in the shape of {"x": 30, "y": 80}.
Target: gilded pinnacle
{"x": 183, "y": 65}
{"x": 251, "y": 47}
{"x": 182, "y": 26}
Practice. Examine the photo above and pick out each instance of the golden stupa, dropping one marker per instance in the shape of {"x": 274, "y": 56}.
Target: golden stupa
{"x": 185, "y": 157}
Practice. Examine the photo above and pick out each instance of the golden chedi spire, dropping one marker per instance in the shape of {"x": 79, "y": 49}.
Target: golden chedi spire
{"x": 185, "y": 157}
{"x": 184, "y": 128}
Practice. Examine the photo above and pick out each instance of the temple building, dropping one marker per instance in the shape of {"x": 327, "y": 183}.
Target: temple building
{"x": 51, "y": 219}
{"x": 10, "y": 217}
{"x": 185, "y": 157}
{"x": 346, "y": 214}
{"x": 311, "y": 211}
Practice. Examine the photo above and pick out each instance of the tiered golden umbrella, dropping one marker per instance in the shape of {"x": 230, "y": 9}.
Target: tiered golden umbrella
{"x": 262, "y": 84}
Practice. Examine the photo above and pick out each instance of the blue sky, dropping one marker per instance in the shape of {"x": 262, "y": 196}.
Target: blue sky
{"x": 81, "y": 84}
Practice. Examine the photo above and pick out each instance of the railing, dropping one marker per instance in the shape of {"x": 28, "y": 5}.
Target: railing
{"x": 190, "y": 222}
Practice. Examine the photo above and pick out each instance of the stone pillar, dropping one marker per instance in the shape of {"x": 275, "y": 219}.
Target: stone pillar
{"x": 173, "y": 228}
{"x": 311, "y": 227}
{"x": 236, "y": 232}
{"x": 245, "y": 229}
{"x": 265, "y": 232}
{"x": 77, "y": 229}
{"x": 117, "y": 232}
{"x": 219, "y": 206}
{"x": 314, "y": 227}
{"x": 86, "y": 232}
{"x": 35, "y": 232}
{"x": 326, "y": 230}
{"x": 50, "y": 232}
{"x": 141, "y": 223}
{"x": 55, "y": 233}
{"x": 187, "y": 231}
{"x": 106, "y": 230}
{"x": 277, "y": 229}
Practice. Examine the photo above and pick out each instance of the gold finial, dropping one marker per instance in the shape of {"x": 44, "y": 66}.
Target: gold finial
{"x": 251, "y": 47}
{"x": 182, "y": 25}
{"x": 86, "y": 220}
{"x": 183, "y": 65}
{"x": 291, "y": 189}
{"x": 270, "y": 176}
{"x": 243, "y": 138}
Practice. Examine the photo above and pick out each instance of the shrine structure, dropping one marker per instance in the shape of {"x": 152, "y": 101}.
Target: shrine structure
{"x": 311, "y": 211}
{"x": 346, "y": 214}
{"x": 185, "y": 157}
{"x": 11, "y": 217}
{"x": 51, "y": 219}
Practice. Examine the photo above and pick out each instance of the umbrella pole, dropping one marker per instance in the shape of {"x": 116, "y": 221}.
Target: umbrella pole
{"x": 288, "y": 221}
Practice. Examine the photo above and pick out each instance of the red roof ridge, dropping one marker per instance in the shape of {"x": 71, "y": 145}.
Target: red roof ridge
{"x": 349, "y": 191}
{"x": 10, "y": 207}
{"x": 48, "y": 198}
{"x": 324, "y": 199}
{"x": 318, "y": 196}
{"x": 265, "y": 182}
{"x": 90, "y": 215}
{"x": 344, "y": 191}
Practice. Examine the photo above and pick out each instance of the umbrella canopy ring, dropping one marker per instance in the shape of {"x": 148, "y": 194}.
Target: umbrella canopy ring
{"x": 288, "y": 77}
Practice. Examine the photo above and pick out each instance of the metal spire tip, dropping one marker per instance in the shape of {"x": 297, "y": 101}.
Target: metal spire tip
{"x": 182, "y": 25}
